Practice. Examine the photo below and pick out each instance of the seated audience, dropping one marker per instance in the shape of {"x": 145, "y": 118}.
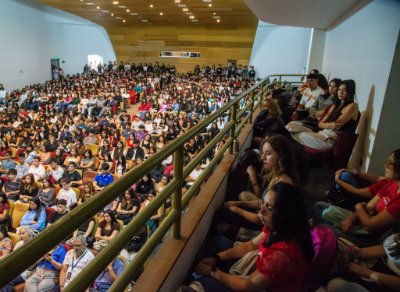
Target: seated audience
{"x": 73, "y": 175}
{"x": 36, "y": 169}
{"x": 22, "y": 167}
{"x": 6, "y": 245}
{"x": 13, "y": 186}
{"x": 29, "y": 189}
{"x": 6, "y": 164}
{"x": 128, "y": 207}
{"x": 103, "y": 179}
{"x": 59, "y": 213}
{"x": 46, "y": 192}
{"x": 270, "y": 115}
{"x": 35, "y": 217}
{"x": 66, "y": 193}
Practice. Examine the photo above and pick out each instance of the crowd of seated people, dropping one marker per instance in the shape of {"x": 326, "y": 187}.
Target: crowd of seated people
{"x": 54, "y": 134}
{"x": 361, "y": 212}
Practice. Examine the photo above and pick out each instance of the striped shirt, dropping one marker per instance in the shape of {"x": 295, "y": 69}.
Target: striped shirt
{"x": 13, "y": 186}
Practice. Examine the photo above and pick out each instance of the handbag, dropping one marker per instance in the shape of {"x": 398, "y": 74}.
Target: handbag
{"x": 246, "y": 265}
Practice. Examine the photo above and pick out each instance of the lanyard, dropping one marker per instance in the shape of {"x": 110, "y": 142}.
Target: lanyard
{"x": 73, "y": 266}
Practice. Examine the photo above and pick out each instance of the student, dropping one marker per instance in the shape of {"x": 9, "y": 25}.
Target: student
{"x": 54, "y": 170}
{"x": 29, "y": 189}
{"x": 66, "y": 193}
{"x": 13, "y": 186}
{"x": 47, "y": 192}
{"x": 36, "y": 169}
{"x": 6, "y": 164}
{"x": 73, "y": 175}
{"x": 103, "y": 179}
{"x": 59, "y": 213}
{"x": 35, "y": 217}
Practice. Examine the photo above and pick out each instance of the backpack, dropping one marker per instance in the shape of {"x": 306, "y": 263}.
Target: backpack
{"x": 325, "y": 247}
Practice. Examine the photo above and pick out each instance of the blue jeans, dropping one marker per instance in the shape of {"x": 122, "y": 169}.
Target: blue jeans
{"x": 18, "y": 280}
{"x": 72, "y": 106}
{"x": 101, "y": 113}
{"x": 358, "y": 239}
{"x": 62, "y": 105}
{"x": 358, "y": 183}
{"x": 142, "y": 113}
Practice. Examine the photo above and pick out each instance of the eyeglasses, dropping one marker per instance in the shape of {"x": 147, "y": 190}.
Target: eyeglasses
{"x": 78, "y": 245}
{"x": 270, "y": 208}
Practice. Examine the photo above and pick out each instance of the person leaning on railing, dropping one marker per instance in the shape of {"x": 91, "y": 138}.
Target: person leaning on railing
{"x": 283, "y": 248}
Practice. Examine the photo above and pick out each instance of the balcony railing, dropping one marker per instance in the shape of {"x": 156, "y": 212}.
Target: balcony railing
{"x": 18, "y": 261}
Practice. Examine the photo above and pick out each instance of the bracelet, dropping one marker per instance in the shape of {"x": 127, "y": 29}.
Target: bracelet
{"x": 229, "y": 253}
{"x": 374, "y": 277}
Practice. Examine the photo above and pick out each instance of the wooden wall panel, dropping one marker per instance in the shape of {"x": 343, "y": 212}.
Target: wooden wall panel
{"x": 216, "y": 46}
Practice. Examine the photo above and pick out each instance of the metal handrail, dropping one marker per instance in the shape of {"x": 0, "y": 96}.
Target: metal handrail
{"x": 18, "y": 261}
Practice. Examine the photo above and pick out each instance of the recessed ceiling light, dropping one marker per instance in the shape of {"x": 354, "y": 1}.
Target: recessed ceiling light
{"x": 217, "y": 20}
{"x": 209, "y": 5}
{"x": 133, "y": 13}
{"x": 191, "y": 16}
{"x": 123, "y": 20}
{"x": 177, "y": 1}
{"x": 161, "y": 13}
{"x": 98, "y": 7}
{"x": 214, "y": 13}
{"x": 112, "y": 14}
{"x": 151, "y": 5}
{"x": 185, "y": 9}
{"x": 115, "y": 2}
{"x": 127, "y": 10}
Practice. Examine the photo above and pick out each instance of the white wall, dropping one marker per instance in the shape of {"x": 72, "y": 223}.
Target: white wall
{"x": 280, "y": 49}
{"x": 33, "y": 33}
{"x": 362, "y": 48}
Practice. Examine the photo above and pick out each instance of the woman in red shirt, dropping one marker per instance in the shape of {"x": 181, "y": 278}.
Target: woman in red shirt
{"x": 144, "y": 108}
{"x": 284, "y": 248}
{"x": 385, "y": 202}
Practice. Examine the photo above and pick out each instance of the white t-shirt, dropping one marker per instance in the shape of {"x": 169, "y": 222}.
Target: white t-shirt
{"x": 35, "y": 171}
{"x": 69, "y": 196}
{"x": 194, "y": 174}
{"x": 79, "y": 264}
{"x": 135, "y": 125}
{"x": 310, "y": 96}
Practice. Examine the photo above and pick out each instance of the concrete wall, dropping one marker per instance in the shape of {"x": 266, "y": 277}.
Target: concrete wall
{"x": 280, "y": 49}
{"x": 33, "y": 33}
{"x": 362, "y": 48}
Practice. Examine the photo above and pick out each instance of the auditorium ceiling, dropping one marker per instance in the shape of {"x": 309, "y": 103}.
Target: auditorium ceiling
{"x": 217, "y": 14}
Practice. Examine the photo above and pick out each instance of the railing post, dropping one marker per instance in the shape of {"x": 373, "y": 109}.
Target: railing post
{"x": 251, "y": 107}
{"x": 261, "y": 94}
{"x": 280, "y": 81}
{"x": 233, "y": 129}
{"x": 177, "y": 197}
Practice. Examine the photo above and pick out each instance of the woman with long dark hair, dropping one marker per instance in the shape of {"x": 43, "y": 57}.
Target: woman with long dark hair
{"x": 342, "y": 116}
{"x": 284, "y": 248}
{"x": 35, "y": 217}
{"x": 128, "y": 206}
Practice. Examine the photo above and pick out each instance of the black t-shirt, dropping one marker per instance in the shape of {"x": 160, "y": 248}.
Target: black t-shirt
{"x": 55, "y": 216}
{"x": 252, "y": 73}
{"x": 75, "y": 176}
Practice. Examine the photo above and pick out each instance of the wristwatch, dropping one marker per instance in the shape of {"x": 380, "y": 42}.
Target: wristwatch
{"x": 212, "y": 272}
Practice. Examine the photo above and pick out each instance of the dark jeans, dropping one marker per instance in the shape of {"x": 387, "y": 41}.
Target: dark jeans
{"x": 361, "y": 240}
{"x": 216, "y": 245}
{"x": 18, "y": 280}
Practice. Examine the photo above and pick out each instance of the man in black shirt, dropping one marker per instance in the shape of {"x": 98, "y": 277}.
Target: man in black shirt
{"x": 135, "y": 151}
{"x": 219, "y": 70}
{"x": 76, "y": 178}
{"x": 61, "y": 211}
{"x": 252, "y": 73}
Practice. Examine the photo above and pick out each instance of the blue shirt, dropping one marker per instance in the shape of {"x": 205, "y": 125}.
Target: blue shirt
{"x": 30, "y": 215}
{"x": 8, "y": 164}
{"x": 58, "y": 256}
{"x": 68, "y": 135}
{"x": 105, "y": 279}
{"x": 102, "y": 181}
{"x": 80, "y": 127}
{"x": 106, "y": 122}
{"x": 175, "y": 107}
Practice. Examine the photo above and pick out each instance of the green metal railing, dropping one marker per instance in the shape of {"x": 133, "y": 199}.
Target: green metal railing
{"x": 18, "y": 261}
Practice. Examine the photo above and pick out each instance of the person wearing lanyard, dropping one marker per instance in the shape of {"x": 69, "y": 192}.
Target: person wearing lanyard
{"x": 47, "y": 271}
{"x": 108, "y": 276}
{"x": 75, "y": 261}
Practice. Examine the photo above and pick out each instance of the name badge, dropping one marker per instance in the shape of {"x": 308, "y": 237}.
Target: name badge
{"x": 69, "y": 276}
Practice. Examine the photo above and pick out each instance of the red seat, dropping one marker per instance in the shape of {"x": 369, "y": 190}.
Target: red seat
{"x": 4, "y": 179}
{"x": 66, "y": 246}
{"x": 18, "y": 152}
{"x": 49, "y": 211}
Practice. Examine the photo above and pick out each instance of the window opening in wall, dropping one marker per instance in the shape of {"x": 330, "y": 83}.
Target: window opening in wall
{"x": 94, "y": 61}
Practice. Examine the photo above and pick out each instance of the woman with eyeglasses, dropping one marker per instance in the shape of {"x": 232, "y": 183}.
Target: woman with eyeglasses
{"x": 284, "y": 248}
{"x": 360, "y": 227}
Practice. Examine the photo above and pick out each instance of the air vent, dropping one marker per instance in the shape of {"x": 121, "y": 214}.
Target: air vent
{"x": 105, "y": 11}
{"x": 133, "y": 13}
{"x": 194, "y": 20}
{"x": 89, "y": 3}
{"x": 122, "y": 6}
{"x": 188, "y": 13}
{"x": 143, "y": 20}
{"x": 216, "y": 17}
{"x": 182, "y": 5}
{"x": 118, "y": 17}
